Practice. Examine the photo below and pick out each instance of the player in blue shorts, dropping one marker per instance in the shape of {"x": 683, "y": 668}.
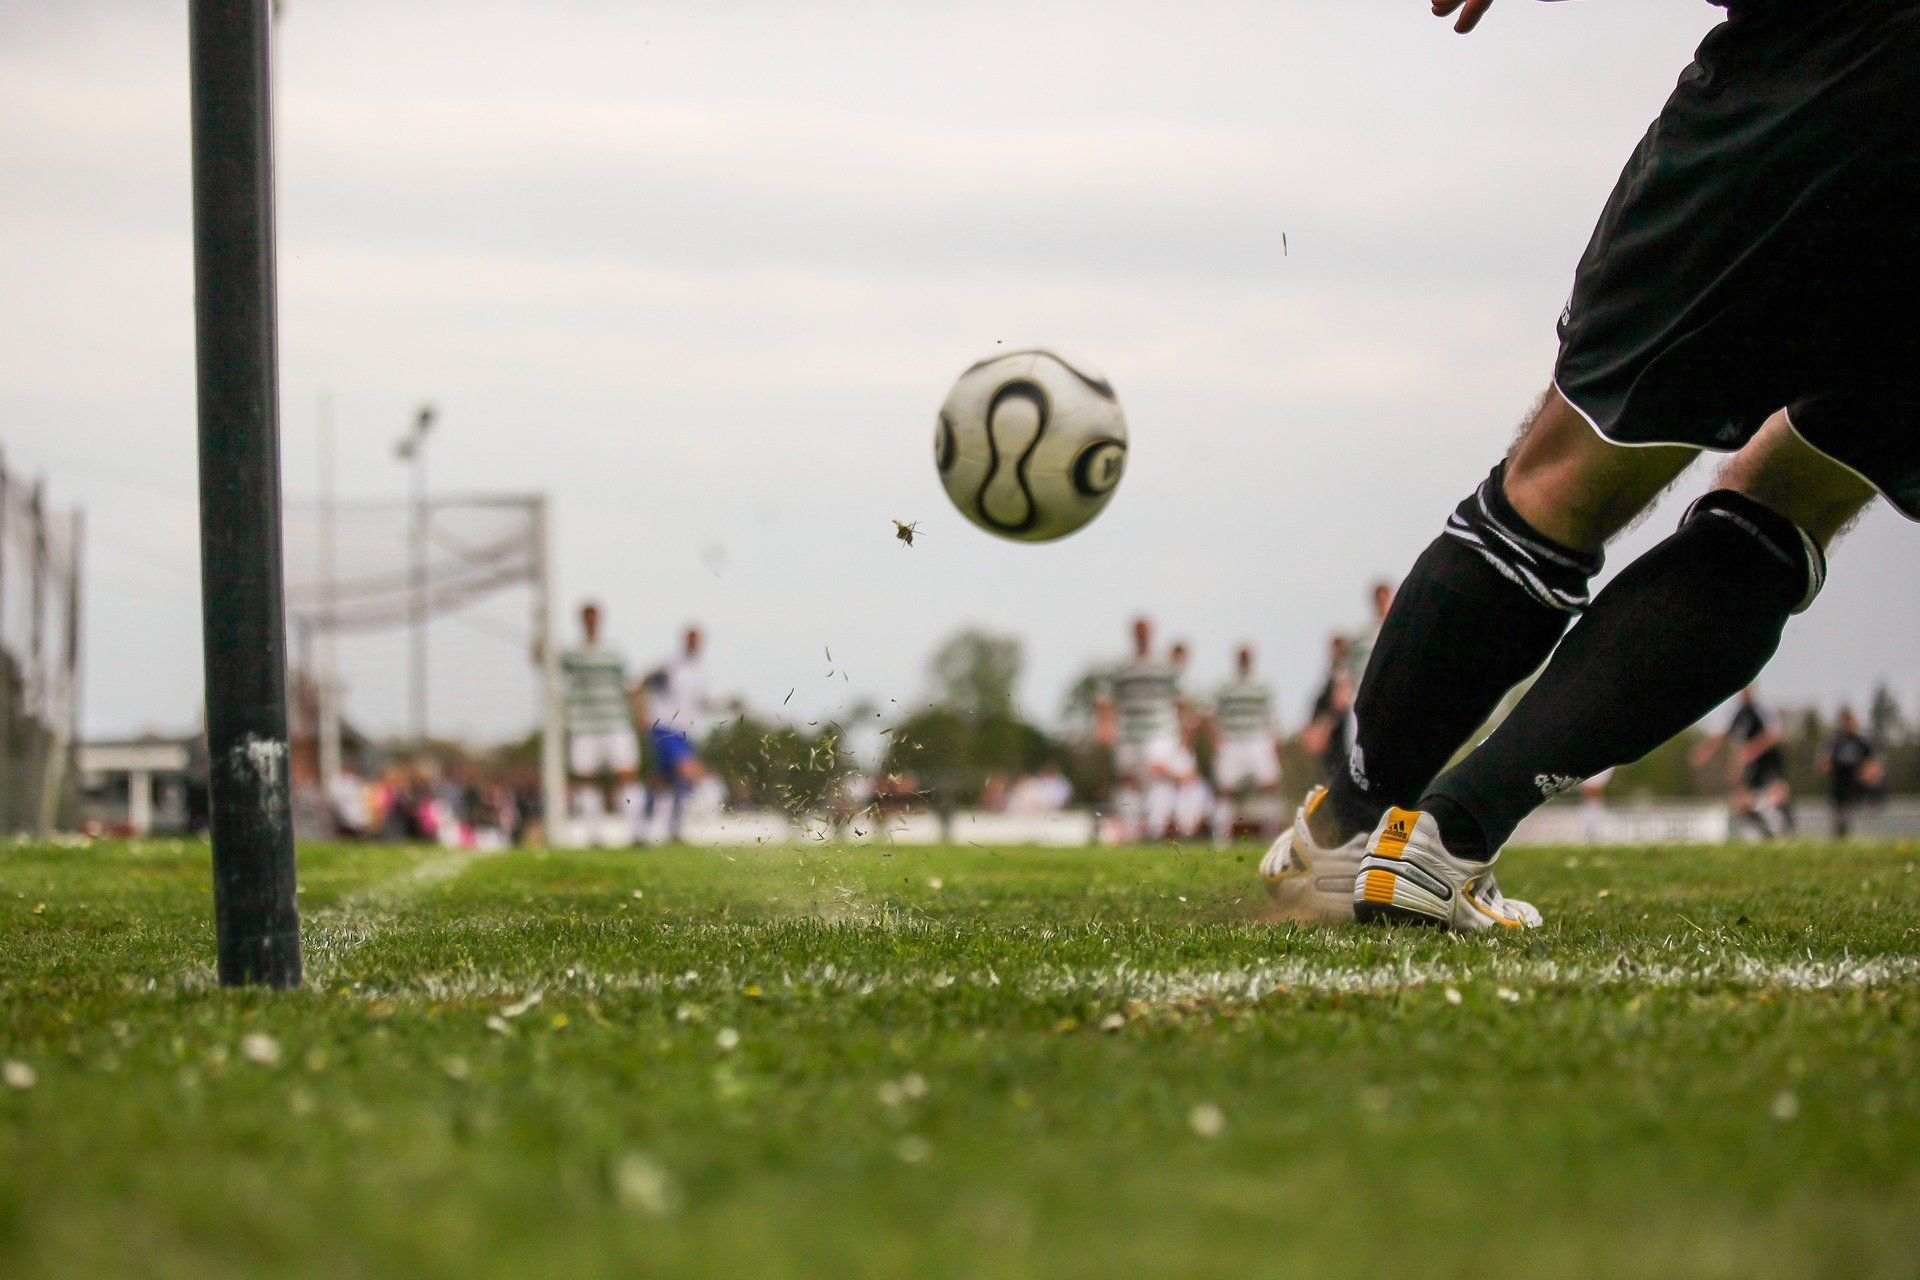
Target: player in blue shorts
{"x": 676, "y": 700}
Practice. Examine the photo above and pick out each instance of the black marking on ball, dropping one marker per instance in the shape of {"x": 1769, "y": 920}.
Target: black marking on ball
{"x": 1033, "y": 393}
{"x": 1099, "y": 467}
{"x": 1099, "y": 386}
{"x": 944, "y": 448}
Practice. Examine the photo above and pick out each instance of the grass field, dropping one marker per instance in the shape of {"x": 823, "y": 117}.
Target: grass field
{"x": 962, "y": 1062}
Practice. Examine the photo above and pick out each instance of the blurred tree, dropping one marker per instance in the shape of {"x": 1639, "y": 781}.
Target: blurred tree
{"x": 778, "y": 766}
{"x": 975, "y": 673}
{"x": 973, "y": 729}
{"x": 1886, "y": 723}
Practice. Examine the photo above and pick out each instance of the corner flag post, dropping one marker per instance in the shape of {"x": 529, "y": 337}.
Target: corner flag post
{"x": 242, "y": 610}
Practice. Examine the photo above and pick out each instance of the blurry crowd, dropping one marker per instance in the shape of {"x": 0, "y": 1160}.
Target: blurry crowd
{"x": 464, "y": 805}
{"x": 1155, "y": 756}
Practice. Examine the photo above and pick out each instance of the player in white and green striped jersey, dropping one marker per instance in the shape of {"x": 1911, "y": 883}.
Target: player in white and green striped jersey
{"x": 1138, "y": 718}
{"x": 601, "y": 742}
{"x": 1246, "y": 756}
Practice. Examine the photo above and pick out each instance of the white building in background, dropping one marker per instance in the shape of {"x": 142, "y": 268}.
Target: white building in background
{"x": 143, "y": 786}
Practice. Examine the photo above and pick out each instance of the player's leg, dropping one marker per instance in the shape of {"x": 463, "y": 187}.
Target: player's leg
{"x": 1162, "y": 787}
{"x": 587, "y": 762}
{"x": 620, "y": 750}
{"x": 1129, "y": 808}
{"x": 1682, "y": 629}
{"x": 1129, "y": 795}
{"x": 1485, "y": 604}
{"x": 686, "y": 774}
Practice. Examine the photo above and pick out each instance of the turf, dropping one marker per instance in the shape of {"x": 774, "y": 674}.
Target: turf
{"x": 961, "y": 1062}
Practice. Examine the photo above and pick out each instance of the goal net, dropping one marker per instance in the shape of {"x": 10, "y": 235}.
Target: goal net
{"x": 420, "y": 635}
{"x": 39, "y": 657}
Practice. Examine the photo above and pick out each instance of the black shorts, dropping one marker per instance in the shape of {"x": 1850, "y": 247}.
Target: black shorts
{"x": 1762, "y": 249}
{"x": 1770, "y": 767}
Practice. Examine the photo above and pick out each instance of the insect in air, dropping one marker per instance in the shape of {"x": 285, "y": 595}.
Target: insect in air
{"x": 904, "y": 531}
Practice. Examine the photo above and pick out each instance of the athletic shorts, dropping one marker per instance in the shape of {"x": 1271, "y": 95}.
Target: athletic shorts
{"x": 591, "y": 751}
{"x": 1245, "y": 764}
{"x": 1762, "y": 250}
{"x": 1769, "y": 768}
{"x": 671, "y": 749}
{"x": 1137, "y": 759}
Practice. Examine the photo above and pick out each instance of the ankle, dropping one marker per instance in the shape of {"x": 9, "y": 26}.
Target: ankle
{"x": 1460, "y": 831}
{"x": 1326, "y": 829}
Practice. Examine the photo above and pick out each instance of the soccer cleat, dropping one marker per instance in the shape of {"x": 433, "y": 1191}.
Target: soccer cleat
{"x": 1310, "y": 883}
{"x": 1407, "y": 875}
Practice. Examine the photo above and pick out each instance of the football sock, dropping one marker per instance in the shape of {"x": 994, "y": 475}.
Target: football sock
{"x": 587, "y": 802}
{"x": 1681, "y": 630}
{"x": 633, "y": 803}
{"x": 677, "y": 807}
{"x": 1162, "y": 797}
{"x": 1480, "y": 611}
{"x": 1127, "y": 806}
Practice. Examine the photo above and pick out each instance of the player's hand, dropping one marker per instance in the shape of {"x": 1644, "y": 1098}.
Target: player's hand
{"x": 1470, "y": 11}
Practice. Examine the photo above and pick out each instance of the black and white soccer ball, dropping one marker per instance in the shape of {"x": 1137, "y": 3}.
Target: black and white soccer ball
{"x": 1030, "y": 445}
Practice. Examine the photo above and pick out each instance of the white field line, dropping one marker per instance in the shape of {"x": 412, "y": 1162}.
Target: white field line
{"x": 330, "y": 936}
{"x": 1124, "y": 983}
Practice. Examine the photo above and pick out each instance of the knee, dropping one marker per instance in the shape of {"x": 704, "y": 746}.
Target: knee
{"x": 1797, "y": 482}
{"x": 1575, "y": 486}
{"x": 1782, "y": 539}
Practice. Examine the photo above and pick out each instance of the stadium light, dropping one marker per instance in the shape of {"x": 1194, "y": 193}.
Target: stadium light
{"x": 413, "y": 449}
{"x": 242, "y": 611}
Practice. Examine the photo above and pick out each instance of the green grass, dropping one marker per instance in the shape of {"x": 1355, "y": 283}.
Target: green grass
{"x": 963, "y": 1062}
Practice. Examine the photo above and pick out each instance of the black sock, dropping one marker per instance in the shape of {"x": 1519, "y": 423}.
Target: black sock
{"x": 1479, "y": 612}
{"x": 1682, "y": 629}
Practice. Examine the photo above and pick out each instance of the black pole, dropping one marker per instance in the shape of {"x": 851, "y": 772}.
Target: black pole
{"x": 242, "y": 611}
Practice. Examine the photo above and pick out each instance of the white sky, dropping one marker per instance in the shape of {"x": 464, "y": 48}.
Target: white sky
{"x": 704, "y": 271}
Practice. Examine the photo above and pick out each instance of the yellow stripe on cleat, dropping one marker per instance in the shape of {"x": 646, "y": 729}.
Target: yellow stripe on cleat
{"x": 1379, "y": 886}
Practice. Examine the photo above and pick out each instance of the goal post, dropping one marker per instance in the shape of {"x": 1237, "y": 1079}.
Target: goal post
{"x": 441, "y": 604}
{"x": 243, "y": 629}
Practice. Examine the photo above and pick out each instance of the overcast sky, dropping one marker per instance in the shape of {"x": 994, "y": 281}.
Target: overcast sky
{"x": 703, "y": 273}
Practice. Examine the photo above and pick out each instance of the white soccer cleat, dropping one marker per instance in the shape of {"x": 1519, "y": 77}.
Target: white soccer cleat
{"x": 1310, "y": 883}
{"x": 1408, "y": 875}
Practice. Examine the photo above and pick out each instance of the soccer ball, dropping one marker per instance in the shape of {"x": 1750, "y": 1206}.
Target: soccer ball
{"x": 1030, "y": 446}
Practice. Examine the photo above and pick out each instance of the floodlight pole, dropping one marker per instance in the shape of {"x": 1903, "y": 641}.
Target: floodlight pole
{"x": 243, "y": 617}
{"x": 412, "y": 450}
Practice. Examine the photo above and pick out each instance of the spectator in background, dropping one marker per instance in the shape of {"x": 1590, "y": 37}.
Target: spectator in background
{"x": 1593, "y": 805}
{"x": 1380, "y": 600}
{"x": 1853, "y": 770}
{"x": 993, "y": 795}
{"x": 1047, "y": 791}
{"x": 1328, "y": 735}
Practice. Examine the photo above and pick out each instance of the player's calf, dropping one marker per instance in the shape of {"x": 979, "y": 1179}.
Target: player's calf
{"x": 1682, "y": 629}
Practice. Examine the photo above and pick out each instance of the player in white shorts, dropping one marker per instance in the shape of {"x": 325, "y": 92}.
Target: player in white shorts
{"x": 1246, "y": 756}
{"x": 1192, "y": 797}
{"x": 601, "y": 743}
{"x": 1138, "y": 716}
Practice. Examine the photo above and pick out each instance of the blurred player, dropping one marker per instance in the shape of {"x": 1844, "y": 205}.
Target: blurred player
{"x": 1192, "y": 797}
{"x": 1246, "y": 755}
{"x": 1762, "y": 796}
{"x": 1138, "y": 717}
{"x": 601, "y": 743}
{"x": 676, "y": 702}
{"x": 1853, "y": 769}
{"x": 1327, "y": 736}
{"x": 1379, "y": 601}
{"x": 1593, "y": 805}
